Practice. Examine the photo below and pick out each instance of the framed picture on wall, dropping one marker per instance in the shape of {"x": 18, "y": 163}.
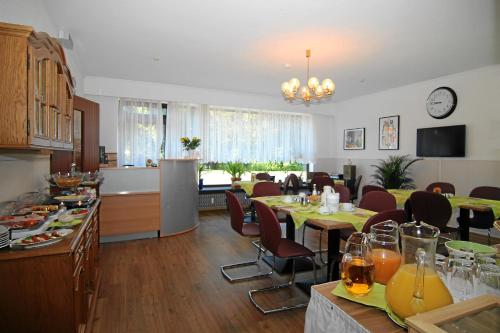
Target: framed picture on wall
{"x": 388, "y": 133}
{"x": 354, "y": 139}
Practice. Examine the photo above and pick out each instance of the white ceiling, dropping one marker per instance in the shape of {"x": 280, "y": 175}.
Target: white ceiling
{"x": 364, "y": 46}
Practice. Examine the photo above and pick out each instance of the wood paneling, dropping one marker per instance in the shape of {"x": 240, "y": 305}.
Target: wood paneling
{"x": 60, "y": 160}
{"x": 13, "y": 91}
{"x": 130, "y": 213}
{"x": 90, "y": 133}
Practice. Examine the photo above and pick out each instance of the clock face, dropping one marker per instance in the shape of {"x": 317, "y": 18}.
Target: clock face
{"x": 441, "y": 102}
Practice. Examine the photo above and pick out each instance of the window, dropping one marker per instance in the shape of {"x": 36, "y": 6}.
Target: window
{"x": 238, "y": 134}
{"x": 140, "y": 132}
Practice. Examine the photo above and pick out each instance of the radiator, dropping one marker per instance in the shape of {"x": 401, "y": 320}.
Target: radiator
{"x": 212, "y": 201}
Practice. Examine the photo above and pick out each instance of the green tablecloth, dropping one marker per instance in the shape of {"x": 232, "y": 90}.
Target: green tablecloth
{"x": 247, "y": 186}
{"x": 402, "y": 195}
{"x": 376, "y": 299}
{"x": 301, "y": 214}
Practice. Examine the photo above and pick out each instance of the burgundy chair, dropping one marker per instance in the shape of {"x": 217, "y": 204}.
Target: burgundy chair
{"x": 484, "y": 220}
{"x": 263, "y": 176}
{"x": 378, "y": 201}
{"x": 445, "y": 187}
{"x": 321, "y": 174}
{"x": 270, "y": 235}
{"x": 266, "y": 189}
{"x": 321, "y": 182}
{"x": 371, "y": 188}
{"x": 291, "y": 181}
{"x": 396, "y": 215}
{"x": 432, "y": 208}
{"x": 344, "y": 197}
{"x": 344, "y": 193}
{"x": 245, "y": 230}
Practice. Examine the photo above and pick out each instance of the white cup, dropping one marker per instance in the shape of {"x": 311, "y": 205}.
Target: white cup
{"x": 347, "y": 206}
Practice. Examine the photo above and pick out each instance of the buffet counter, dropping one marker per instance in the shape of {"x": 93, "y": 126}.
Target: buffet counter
{"x": 55, "y": 286}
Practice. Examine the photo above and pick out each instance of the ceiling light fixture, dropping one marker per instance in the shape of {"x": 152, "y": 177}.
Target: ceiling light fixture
{"x": 313, "y": 91}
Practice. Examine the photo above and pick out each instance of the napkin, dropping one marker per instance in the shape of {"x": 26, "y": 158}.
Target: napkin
{"x": 376, "y": 299}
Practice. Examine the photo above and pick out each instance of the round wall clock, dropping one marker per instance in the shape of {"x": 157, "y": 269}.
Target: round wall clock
{"x": 441, "y": 102}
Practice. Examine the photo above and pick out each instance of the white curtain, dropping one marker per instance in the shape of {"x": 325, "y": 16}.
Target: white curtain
{"x": 140, "y": 127}
{"x": 238, "y": 134}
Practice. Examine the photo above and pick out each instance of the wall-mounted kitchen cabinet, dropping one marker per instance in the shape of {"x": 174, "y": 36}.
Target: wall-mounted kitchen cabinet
{"x": 36, "y": 91}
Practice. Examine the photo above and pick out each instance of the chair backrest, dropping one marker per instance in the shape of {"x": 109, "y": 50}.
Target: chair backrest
{"x": 321, "y": 174}
{"x": 321, "y": 182}
{"x": 431, "y": 208}
{"x": 445, "y": 187}
{"x": 270, "y": 230}
{"x": 263, "y": 176}
{"x": 235, "y": 211}
{"x": 378, "y": 201}
{"x": 396, "y": 215}
{"x": 370, "y": 188}
{"x": 266, "y": 189}
{"x": 344, "y": 193}
{"x": 486, "y": 192}
{"x": 293, "y": 180}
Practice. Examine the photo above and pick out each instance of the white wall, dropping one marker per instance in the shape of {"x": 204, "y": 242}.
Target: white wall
{"x": 34, "y": 13}
{"x": 106, "y": 92}
{"x": 478, "y": 108}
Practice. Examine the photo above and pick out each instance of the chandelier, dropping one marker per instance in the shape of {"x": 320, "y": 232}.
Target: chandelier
{"x": 313, "y": 91}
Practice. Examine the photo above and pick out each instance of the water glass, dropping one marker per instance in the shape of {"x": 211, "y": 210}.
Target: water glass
{"x": 461, "y": 278}
{"x": 488, "y": 279}
{"x": 441, "y": 263}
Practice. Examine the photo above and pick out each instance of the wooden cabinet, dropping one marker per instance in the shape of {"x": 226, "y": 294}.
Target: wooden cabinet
{"x": 36, "y": 90}
{"x": 52, "y": 289}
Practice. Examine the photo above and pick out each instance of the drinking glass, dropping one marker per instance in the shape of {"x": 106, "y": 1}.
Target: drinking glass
{"x": 488, "y": 279}
{"x": 358, "y": 269}
{"x": 461, "y": 278}
{"x": 442, "y": 266}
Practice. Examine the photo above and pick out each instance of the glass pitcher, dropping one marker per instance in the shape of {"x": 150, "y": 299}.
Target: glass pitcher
{"x": 385, "y": 250}
{"x": 358, "y": 269}
{"x": 416, "y": 287}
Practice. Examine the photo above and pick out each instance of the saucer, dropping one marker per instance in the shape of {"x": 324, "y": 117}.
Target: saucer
{"x": 353, "y": 209}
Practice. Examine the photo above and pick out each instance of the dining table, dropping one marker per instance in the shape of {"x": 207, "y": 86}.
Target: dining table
{"x": 465, "y": 204}
{"x": 247, "y": 185}
{"x": 332, "y": 223}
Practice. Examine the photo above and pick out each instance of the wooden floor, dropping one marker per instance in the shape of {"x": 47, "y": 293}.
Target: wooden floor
{"x": 174, "y": 284}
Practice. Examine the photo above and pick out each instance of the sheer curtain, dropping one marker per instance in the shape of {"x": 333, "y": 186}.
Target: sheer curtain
{"x": 238, "y": 134}
{"x": 140, "y": 125}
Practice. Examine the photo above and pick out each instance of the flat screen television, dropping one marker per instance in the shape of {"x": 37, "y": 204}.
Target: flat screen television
{"x": 447, "y": 141}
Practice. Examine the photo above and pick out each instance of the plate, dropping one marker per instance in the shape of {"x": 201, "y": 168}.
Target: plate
{"x": 39, "y": 239}
{"x": 467, "y": 248}
{"x": 72, "y": 198}
{"x": 349, "y": 210}
{"x": 30, "y": 221}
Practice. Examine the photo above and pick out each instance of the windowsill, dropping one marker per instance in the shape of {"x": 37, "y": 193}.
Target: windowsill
{"x": 126, "y": 168}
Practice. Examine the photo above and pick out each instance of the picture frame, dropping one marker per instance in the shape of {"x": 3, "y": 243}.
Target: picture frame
{"x": 354, "y": 139}
{"x": 388, "y": 133}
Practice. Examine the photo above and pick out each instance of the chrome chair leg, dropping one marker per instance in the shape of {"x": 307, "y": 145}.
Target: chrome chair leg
{"x": 288, "y": 284}
{"x": 321, "y": 250}
{"x": 224, "y": 269}
{"x": 258, "y": 245}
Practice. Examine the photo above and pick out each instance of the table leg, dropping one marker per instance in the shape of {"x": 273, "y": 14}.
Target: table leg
{"x": 463, "y": 223}
{"x": 333, "y": 253}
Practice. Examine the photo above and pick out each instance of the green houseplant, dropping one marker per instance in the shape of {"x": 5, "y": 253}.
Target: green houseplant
{"x": 235, "y": 169}
{"x": 201, "y": 168}
{"x": 393, "y": 173}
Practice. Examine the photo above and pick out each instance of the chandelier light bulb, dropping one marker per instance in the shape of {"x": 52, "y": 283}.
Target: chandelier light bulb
{"x": 319, "y": 91}
{"x": 294, "y": 84}
{"x": 328, "y": 86}
{"x": 306, "y": 94}
{"x": 313, "y": 83}
{"x": 285, "y": 87}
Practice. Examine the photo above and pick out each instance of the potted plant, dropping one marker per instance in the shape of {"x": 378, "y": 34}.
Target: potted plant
{"x": 190, "y": 145}
{"x": 235, "y": 169}
{"x": 201, "y": 168}
{"x": 393, "y": 173}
